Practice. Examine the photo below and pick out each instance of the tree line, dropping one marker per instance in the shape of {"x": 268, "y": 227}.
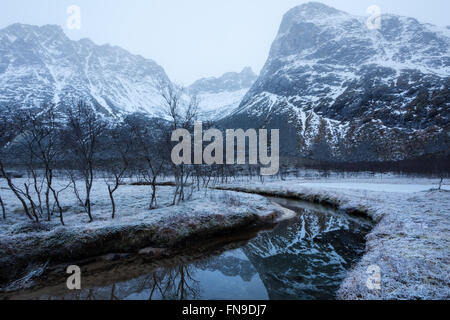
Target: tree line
{"x": 82, "y": 145}
{"x": 79, "y": 145}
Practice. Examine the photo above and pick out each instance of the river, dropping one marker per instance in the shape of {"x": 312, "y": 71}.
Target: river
{"x": 303, "y": 258}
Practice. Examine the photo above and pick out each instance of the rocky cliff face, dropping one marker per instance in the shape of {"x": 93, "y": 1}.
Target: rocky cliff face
{"x": 336, "y": 89}
{"x": 340, "y": 91}
{"x": 41, "y": 65}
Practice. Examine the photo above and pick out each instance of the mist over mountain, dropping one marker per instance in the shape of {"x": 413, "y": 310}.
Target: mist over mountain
{"x": 220, "y": 96}
{"x": 230, "y": 81}
{"x": 338, "y": 90}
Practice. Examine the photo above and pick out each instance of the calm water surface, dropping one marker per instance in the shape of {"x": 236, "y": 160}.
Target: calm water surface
{"x": 303, "y": 258}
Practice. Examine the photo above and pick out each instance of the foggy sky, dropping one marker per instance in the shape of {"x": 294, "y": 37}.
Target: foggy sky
{"x": 195, "y": 38}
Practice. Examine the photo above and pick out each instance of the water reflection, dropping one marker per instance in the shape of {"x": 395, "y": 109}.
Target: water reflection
{"x": 304, "y": 258}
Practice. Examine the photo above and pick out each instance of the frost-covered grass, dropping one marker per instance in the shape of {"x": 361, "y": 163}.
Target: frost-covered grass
{"x": 205, "y": 214}
{"x": 410, "y": 242}
{"x": 132, "y": 202}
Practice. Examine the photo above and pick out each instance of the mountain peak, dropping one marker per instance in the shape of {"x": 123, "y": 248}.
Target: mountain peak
{"x": 41, "y": 64}
{"x": 28, "y": 27}
{"x": 313, "y": 10}
{"x": 316, "y": 7}
{"x": 229, "y": 81}
{"x": 248, "y": 71}
{"x": 219, "y": 96}
{"x": 336, "y": 82}
{"x": 20, "y": 30}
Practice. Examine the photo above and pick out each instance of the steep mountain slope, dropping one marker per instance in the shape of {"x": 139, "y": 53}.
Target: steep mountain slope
{"x": 220, "y": 96}
{"x": 340, "y": 91}
{"x": 40, "y": 64}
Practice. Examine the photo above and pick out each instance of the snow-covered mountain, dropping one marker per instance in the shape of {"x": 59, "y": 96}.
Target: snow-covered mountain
{"x": 336, "y": 89}
{"x": 220, "y": 96}
{"x": 41, "y": 64}
{"x": 339, "y": 90}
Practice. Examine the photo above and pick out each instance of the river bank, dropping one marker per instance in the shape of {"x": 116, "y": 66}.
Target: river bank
{"x": 303, "y": 257}
{"x": 26, "y": 246}
{"x": 410, "y": 243}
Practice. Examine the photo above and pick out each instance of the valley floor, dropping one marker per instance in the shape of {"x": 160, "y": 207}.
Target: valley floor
{"x": 410, "y": 243}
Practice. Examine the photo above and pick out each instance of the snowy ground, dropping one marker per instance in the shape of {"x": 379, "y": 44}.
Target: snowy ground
{"x": 206, "y": 213}
{"x": 410, "y": 243}
{"x": 371, "y": 186}
{"x": 132, "y": 204}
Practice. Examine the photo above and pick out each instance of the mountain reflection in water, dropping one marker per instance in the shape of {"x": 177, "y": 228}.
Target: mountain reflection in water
{"x": 303, "y": 258}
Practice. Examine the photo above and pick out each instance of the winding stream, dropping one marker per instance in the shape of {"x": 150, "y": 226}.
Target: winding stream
{"x": 306, "y": 257}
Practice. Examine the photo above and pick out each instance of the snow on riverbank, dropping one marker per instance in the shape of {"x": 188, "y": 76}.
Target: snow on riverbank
{"x": 204, "y": 215}
{"x": 410, "y": 242}
{"x": 370, "y": 186}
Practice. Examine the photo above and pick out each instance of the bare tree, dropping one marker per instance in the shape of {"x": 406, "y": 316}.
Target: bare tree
{"x": 18, "y": 193}
{"x": 440, "y": 183}
{"x": 4, "y": 138}
{"x": 174, "y": 106}
{"x": 48, "y": 138}
{"x": 118, "y": 137}
{"x": 40, "y": 144}
{"x": 176, "y": 283}
{"x": 151, "y": 149}
{"x": 37, "y": 146}
{"x": 8, "y": 132}
{"x": 181, "y": 109}
{"x": 3, "y": 208}
{"x": 81, "y": 136}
